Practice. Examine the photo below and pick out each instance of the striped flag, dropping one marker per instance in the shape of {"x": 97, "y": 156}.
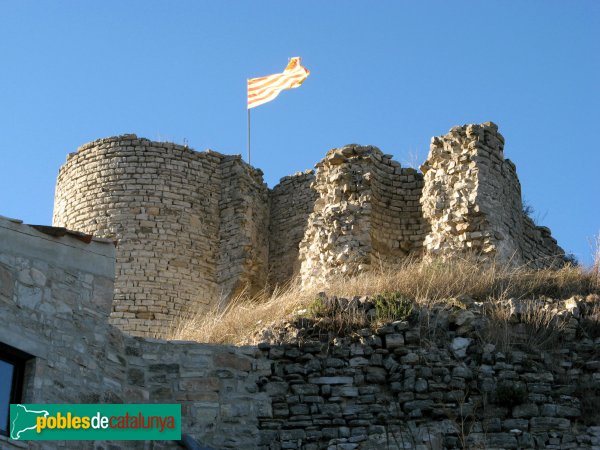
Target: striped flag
{"x": 264, "y": 89}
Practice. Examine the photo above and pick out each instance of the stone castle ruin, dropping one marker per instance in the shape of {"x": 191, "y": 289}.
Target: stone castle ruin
{"x": 144, "y": 230}
{"x": 195, "y": 228}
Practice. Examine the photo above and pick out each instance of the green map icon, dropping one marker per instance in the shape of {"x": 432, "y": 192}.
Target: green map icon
{"x": 23, "y": 420}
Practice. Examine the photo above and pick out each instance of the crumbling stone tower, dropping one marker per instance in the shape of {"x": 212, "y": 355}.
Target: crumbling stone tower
{"x": 472, "y": 201}
{"x": 195, "y": 228}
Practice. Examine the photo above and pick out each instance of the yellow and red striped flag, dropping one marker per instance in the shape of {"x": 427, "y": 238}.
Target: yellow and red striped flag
{"x": 264, "y": 89}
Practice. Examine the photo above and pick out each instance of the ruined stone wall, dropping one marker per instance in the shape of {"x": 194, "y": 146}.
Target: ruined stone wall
{"x": 368, "y": 213}
{"x": 464, "y": 199}
{"x": 338, "y": 239}
{"x": 539, "y": 248}
{"x": 187, "y": 224}
{"x": 196, "y": 229}
{"x": 291, "y": 202}
{"x": 472, "y": 199}
{"x": 443, "y": 386}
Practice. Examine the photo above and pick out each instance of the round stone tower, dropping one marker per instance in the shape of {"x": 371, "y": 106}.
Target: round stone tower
{"x": 169, "y": 209}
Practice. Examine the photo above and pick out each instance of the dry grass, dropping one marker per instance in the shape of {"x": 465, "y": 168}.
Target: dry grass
{"x": 537, "y": 327}
{"x": 595, "y": 270}
{"x": 425, "y": 282}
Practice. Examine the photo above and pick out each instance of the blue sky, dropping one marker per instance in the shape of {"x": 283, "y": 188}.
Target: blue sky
{"x": 386, "y": 73}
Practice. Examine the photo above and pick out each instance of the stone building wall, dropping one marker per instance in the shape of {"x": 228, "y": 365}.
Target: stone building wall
{"x": 56, "y": 293}
{"x": 187, "y": 224}
{"x": 291, "y": 202}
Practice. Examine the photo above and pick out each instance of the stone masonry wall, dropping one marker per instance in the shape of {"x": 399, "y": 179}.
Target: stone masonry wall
{"x": 435, "y": 387}
{"x": 55, "y": 300}
{"x": 291, "y": 202}
{"x": 338, "y": 239}
{"x": 464, "y": 198}
{"x": 137, "y": 192}
{"x": 368, "y": 213}
{"x": 184, "y": 222}
{"x": 538, "y": 246}
{"x": 398, "y": 227}
{"x": 243, "y": 243}
{"x": 472, "y": 199}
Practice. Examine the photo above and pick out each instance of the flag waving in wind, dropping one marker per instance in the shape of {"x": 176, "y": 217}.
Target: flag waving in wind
{"x": 264, "y": 89}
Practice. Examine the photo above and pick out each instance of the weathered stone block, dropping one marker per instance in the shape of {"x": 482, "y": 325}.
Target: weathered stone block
{"x": 393, "y": 341}
{"x": 526, "y": 410}
{"x": 545, "y": 424}
{"x": 331, "y": 380}
{"x": 232, "y": 361}
{"x": 305, "y": 389}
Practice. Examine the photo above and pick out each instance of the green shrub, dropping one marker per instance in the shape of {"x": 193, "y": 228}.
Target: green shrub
{"x": 391, "y": 306}
{"x": 317, "y": 308}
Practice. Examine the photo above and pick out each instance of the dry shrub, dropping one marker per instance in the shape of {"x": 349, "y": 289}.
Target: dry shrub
{"x": 341, "y": 316}
{"x": 425, "y": 282}
{"x": 241, "y": 317}
{"x": 534, "y": 327}
{"x": 591, "y": 322}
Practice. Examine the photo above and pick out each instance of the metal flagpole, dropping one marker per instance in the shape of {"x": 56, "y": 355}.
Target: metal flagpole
{"x": 248, "y": 135}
